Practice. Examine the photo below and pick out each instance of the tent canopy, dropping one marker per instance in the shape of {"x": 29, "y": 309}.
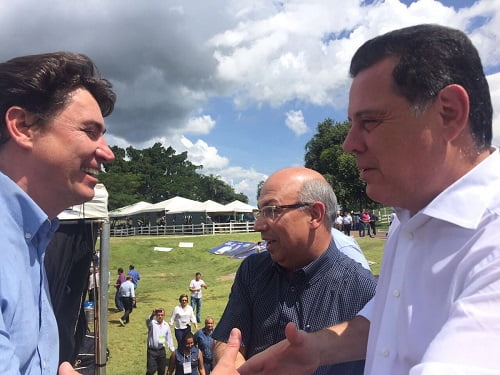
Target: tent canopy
{"x": 238, "y": 206}
{"x": 130, "y": 209}
{"x": 178, "y": 205}
{"x": 97, "y": 208}
{"x": 172, "y": 204}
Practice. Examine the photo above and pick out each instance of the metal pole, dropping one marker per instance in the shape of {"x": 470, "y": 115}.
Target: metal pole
{"x": 101, "y": 328}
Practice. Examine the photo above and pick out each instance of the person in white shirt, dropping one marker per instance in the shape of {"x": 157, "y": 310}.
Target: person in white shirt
{"x": 159, "y": 337}
{"x": 182, "y": 316}
{"x": 347, "y": 223}
{"x": 195, "y": 287}
{"x": 421, "y": 130}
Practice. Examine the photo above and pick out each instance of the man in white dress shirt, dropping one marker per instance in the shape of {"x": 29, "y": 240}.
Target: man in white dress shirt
{"x": 421, "y": 131}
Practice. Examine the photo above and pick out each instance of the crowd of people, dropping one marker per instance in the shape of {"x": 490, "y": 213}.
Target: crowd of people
{"x": 364, "y": 222}
{"x": 192, "y": 351}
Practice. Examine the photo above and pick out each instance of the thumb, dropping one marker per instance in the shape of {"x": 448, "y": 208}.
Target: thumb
{"x": 233, "y": 347}
{"x": 293, "y": 334}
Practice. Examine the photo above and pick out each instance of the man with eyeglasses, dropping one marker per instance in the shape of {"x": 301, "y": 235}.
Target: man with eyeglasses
{"x": 302, "y": 278}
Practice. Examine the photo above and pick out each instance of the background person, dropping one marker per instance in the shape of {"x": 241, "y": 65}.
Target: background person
{"x": 373, "y": 222}
{"x": 186, "y": 359}
{"x": 121, "y": 279}
{"x": 204, "y": 341}
{"x": 195, "y": 287}
{"x": 364, "y": 221}
{"x": 52, "y": 107}
{"x": 350, "y": 247}
{"x": 182, "y": 316}
{"x": 127, "y": 296}
{"x": 136, "y": 276}
{"x": 347, "y": 223}
{"x": 159, "y": 337}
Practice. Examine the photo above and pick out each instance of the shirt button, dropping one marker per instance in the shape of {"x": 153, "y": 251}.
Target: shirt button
{"x": 385, "y": 352}
{"x": 396, "y": 293}
{"x": 293, "y": 289}
{"x": 27, "y": 235}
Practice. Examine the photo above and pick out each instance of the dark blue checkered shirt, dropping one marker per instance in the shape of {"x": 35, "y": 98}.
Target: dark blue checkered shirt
{"x": 328, "y": 291}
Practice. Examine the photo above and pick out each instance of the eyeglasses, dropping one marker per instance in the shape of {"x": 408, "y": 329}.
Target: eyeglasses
{"x": 270, "y": 212}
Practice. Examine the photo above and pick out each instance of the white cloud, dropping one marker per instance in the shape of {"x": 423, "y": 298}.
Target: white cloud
{"x": 243, "y": 181}
{"x": 199, "y": 125}
{"x": 169, "y": 61}
{"x": 295, "y": 122}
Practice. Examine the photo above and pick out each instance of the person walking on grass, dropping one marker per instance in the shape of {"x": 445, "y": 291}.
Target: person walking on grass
{"x": 195, "y": 287}
{"x": 182, "y": 316}
{"x": 127, "y": 296}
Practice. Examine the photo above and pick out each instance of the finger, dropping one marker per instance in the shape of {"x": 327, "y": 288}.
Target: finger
{"x": 66, "y": 369}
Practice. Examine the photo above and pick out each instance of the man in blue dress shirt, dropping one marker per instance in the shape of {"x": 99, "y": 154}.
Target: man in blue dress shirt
{"x": 51, "y": 151}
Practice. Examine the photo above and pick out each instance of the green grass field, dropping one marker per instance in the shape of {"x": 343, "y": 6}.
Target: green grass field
{"x": 166, "y": 275}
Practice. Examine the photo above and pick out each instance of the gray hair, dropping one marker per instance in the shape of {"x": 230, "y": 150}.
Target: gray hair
{"x": 319, "y": 190}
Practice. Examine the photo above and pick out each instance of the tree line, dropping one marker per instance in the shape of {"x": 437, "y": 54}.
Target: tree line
{"x": 155, "y": 174}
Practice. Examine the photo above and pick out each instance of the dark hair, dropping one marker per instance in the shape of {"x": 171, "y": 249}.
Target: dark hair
{"x": 429, "y": 58}
{"x": 182, "y": 296}
{"x": 120, "y": 270}
{"x": 187, "y": 335}
{"x": 42, "y": 84}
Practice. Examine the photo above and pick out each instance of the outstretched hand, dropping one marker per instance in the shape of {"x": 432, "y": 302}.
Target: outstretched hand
{"x": 296, "y": 355}
{"x": 227, "y": 363}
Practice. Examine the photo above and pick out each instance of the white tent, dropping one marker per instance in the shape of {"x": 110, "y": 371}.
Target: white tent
{"x": 130, "y": 209}
{"x": 172, "y": 204}
{"x": 97, "y": 208}
{"x": 207, "y": 206}
{"x": 238, "y": 206}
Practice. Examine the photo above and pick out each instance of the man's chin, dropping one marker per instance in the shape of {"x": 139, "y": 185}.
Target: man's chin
{"x": 84, "y": 194}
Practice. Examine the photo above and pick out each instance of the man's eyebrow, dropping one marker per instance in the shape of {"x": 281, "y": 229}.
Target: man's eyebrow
{"x": 371, "y": 112}
{"x": 97, "y": 125}
{"x": 269, "y": 202}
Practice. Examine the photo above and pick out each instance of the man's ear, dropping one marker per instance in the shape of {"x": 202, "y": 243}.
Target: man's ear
{"x": 18, "y": 122}
{"x": 454, "y": 110}
{"x": 318, "y": 212}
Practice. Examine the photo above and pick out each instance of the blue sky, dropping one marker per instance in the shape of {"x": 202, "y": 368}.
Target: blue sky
{"x": 240, "y": 85}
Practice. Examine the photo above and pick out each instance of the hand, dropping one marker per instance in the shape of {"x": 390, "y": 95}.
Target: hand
{"x": 296, "y": 355}
{"x": 227, "y": 363}
{"x": 67, "y": 369}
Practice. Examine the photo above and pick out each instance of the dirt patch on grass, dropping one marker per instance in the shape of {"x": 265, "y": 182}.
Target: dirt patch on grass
{"x": 227, "y": 277}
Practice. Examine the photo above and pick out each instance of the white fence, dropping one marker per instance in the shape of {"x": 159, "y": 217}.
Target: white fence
{"x": 160, "y": 230}
{"x": 214, "y": 228}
